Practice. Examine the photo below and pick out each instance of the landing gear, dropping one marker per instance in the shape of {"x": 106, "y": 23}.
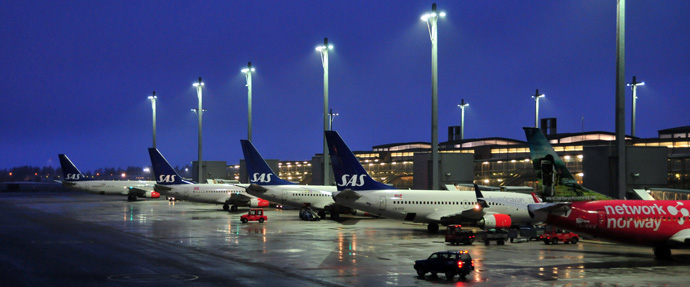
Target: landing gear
{"x": 131, "y": 198}
{"x": 233, "y": 208}
{"x": 662, "y": 252}
{"x": 226, "y": 207}
{"x": 432, "y": 227}
{"x": 335, "y": 215}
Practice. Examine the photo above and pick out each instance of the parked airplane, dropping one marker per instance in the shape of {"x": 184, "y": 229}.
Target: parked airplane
{"x": 266, "y": 184}
{"x": 662, "y": 224}
{"x": 73, "y": 178}
{"x": 356, "y": 189}
{"x": 170, "y": 183}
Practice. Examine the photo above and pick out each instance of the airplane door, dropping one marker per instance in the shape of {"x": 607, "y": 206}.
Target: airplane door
{"x": 186, "y": 193}
{"x": 601, "y": 220}
{"x": 382, "y": 203}
{"x": 285, "y": 195}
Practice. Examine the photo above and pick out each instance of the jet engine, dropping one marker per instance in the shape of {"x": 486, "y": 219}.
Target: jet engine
{"x": 152, "y": 194}
{"x": 491, "y": 221}
{"x": 258, "y": 202}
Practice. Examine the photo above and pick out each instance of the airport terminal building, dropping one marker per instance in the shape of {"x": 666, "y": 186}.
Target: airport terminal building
{"x": 657, "y": 164}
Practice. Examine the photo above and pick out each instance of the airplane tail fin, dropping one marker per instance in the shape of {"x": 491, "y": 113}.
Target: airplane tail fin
{"x": 557, "y": 181}
{"x": 541, "y": 151}
{"x": 70, "y": 172}
{"x": 163, "y": 171}
{"x": 257, "y": 168}
{"x": 349, "y": 173}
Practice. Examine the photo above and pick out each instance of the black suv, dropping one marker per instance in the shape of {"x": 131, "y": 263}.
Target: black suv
{"x": 448, "y": 262}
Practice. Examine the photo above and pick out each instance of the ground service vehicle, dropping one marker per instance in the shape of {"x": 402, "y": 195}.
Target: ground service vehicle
{"x": 254, "y": 215}
{"x": 455, "y": 235}
{"x": 498, "y": 235}
{"x": 448, "y": 262}
{"x": 308, "y": 214}
{"x": 557, "y": 235}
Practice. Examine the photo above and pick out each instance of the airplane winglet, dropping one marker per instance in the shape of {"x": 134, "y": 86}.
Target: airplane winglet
{"x": 480, "y": 197}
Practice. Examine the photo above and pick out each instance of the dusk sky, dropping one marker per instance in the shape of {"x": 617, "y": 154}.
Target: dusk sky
{"x": 76, "y": 74}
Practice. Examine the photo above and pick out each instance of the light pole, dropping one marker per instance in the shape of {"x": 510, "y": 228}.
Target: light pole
{"x": 536, "y": 97}
{"x": 200, "y": 112}
{"x": 331, "y": 117}
{"x": 323, "y": 50}
{"x": 633, "y": 86}
{"x": 248, "y": 74}
{"x": 431, "y": 20}
{"x": 621, "y": 176}
{"x": 462, "y": 106}
{"x": 153, "y": 107}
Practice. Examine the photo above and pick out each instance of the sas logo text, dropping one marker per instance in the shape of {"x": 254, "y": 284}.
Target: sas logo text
{"x": 262, "y": 177}
{"x": 352, "y": 180}
{"x": 74, "y": 176}
{"x": 167, "y": 178}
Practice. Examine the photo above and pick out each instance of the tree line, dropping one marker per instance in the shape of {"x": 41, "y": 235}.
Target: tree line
{"x": 48, "y": 173}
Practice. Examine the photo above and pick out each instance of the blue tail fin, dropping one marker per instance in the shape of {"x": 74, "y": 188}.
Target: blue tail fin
{"x": 257, "y": 168}
{"x": 70, "y": 172}
{"x": 163, "y": 171}
{"x": 349, "y": 173}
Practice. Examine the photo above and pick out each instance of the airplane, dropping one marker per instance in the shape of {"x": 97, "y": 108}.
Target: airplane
{"x": 74, "y": 179}
{"x": 171, "y": 184}
{"x": 266, "y": 184}
{"x": 358, "y": 190}
{"x": 662, "y": 224}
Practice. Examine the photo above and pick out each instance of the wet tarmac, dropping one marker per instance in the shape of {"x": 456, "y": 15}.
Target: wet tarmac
{"x": 78, "y": 239}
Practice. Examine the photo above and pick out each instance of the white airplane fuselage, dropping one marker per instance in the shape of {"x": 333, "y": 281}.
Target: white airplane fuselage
{"x": 428, "y": 206}
{"x": 203, "y": 193}
{"x": 317, "y": 196}
{"x": 117, "y": 187}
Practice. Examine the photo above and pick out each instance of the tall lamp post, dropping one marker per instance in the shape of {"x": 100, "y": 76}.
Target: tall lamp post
{"x": 431, "y": 20}
{"x": 199, "y": 85}
{"x": 621, "y": 177}
{"x": 323, "y": 50}
{"x": 536, "y": 97}
{"x": 633, "y": 86}
{"x": 248, "y": 74}
{"x": 462, "y": 106}
{"x": 153, "y": 99}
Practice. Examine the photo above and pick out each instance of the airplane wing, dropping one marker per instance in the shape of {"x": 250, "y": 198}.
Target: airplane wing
{"x": 239, "y": 197}
{"x": 682, "y": 237}
{"x": 138, "y": 191}
{"x": 452, "y": 216}
{"x": 552, "y": 207}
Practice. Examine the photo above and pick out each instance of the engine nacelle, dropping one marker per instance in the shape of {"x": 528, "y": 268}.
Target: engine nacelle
{"x": 152, "y": 194}
{"x": 491, "y": 221}
{"x": 258, "y": 202}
